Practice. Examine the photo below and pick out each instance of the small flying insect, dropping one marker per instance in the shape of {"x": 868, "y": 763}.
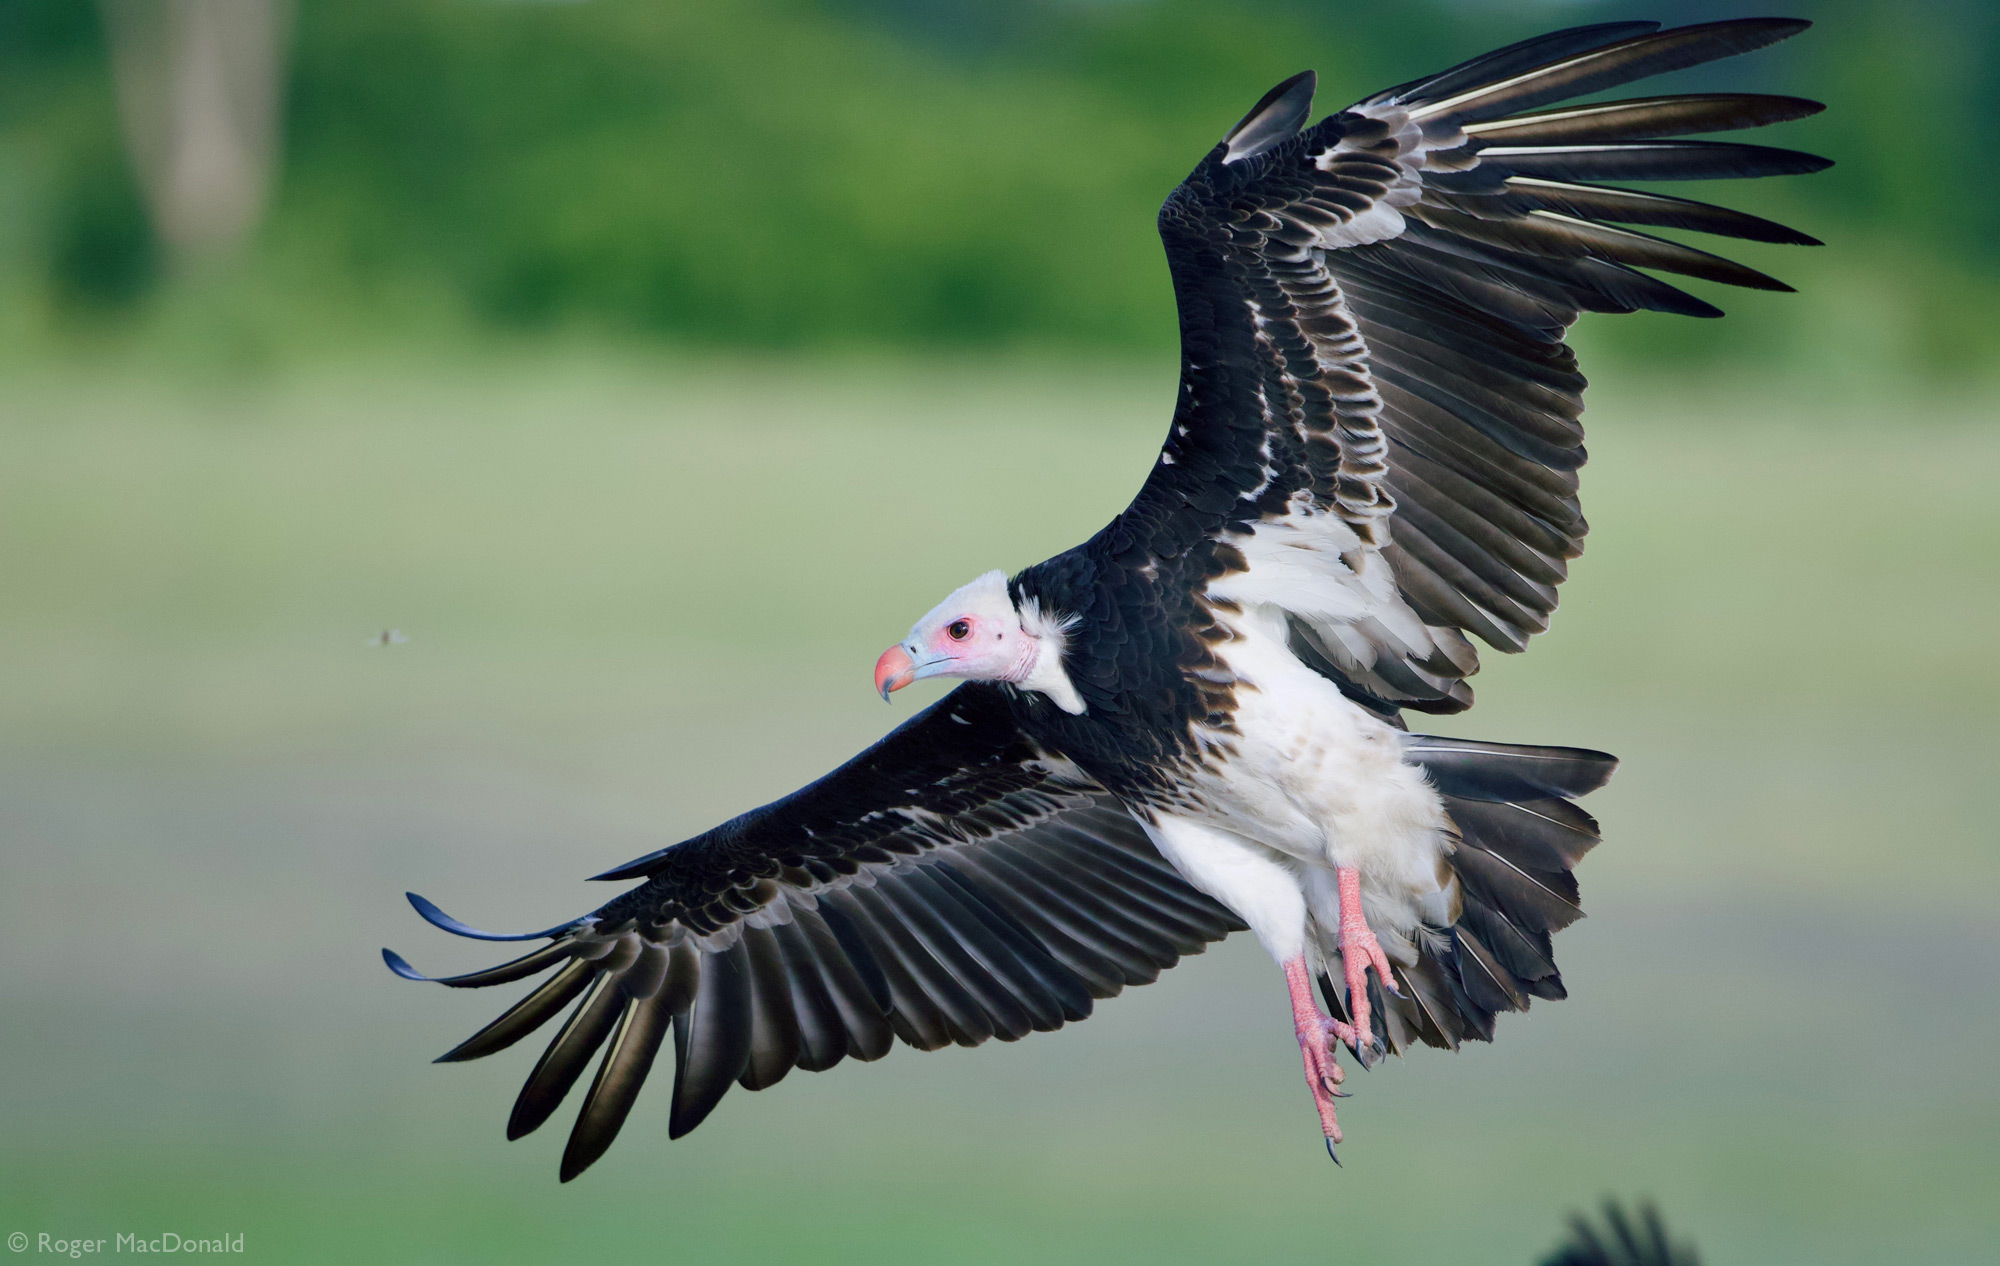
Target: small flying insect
{"x": 387, "y": 637}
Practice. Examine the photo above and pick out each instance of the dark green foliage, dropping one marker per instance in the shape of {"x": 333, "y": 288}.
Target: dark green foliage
{"x": 101, "y": 251}
{"x": 96, "y": 249}
{"x": 777, "y": 172}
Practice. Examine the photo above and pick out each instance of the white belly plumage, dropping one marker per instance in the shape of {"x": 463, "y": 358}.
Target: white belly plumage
{"x": 1311, "y": 782}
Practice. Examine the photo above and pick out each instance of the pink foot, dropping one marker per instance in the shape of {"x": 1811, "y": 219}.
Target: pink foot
{"x": 1359, "y": 950}
{"x": 1318, "y": 1034}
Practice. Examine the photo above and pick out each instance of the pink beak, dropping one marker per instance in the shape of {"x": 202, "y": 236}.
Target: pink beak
{"x": 894, "y": 671}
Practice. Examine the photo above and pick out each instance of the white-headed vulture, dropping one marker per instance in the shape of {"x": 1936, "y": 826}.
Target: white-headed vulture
{"x": 1193, "y": 722}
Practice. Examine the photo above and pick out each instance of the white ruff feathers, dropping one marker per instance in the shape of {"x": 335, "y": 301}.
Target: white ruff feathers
{"x": 1040, "y": 667}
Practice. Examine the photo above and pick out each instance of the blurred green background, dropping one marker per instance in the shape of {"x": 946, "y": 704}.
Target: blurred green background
{"x": 652, "y": 366}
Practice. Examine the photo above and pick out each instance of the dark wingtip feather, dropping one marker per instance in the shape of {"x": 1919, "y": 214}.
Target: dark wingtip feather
{"x": 439, "y": 919}
{"x": 711, "y": 1040}
{"x": 627, "y": 1061}
{"x": 505, "y": 973}
{"x": 1642, "y": 118}
{"x": 1515, "y": 58}
{"x": 1610, "y": 65}
{"x": 524, "y": 1017}
{"x": 563, "y": 1062}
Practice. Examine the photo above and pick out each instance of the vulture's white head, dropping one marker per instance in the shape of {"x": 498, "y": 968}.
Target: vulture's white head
{"x": 979, "y": 634}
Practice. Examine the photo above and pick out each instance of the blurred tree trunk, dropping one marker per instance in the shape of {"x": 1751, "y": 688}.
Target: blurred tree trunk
{"x": 200, "y": 87}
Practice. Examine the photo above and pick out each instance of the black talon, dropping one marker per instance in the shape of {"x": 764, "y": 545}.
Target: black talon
{"x": 1329, "y": 1153}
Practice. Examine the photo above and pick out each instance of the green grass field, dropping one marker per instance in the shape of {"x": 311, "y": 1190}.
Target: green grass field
{"x": 642, "y": 595}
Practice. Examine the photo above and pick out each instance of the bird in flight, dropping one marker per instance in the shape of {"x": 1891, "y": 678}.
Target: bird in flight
{"x": 1194, "y": 722}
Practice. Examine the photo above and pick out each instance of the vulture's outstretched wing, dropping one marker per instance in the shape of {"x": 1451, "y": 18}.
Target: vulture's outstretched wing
{"x": 953, "y": 883}
{"x": 1377, "y": 425}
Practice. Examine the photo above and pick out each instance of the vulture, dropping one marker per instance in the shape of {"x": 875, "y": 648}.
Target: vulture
{"x": 1195, "y": 722}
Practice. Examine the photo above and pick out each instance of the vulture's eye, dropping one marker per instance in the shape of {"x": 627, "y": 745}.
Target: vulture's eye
{"x": 958, "y": 630}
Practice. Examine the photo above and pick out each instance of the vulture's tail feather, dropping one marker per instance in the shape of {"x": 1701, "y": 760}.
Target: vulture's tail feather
{"x": 1520, "y": 834}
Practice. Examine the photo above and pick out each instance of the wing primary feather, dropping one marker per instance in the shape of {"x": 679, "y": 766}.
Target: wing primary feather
{"x": 774, "y": 1029}
{"x": 1608, "y": 66}
{"x": 1502, "y": 63}
{"x": 506, "y": 973}
{"x": 439, "y": 919}
{"x": 1560, "y": 236}
{"x": 711, "y": 1039}
{"x": 1644, "y": 118}
{"x": 627, "y": 1059}
{"x": 1650, "y": 160}
{"x": 525, "y": 1016}
{"x": 562, "y": 1063}
{"x": 1631, "y": 206}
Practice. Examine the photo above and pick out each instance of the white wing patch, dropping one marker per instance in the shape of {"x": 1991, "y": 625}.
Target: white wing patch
{"x": 1311, "y": 565}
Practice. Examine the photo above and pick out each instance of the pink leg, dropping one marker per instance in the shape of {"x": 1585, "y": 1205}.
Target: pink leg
{"x": 1359, "y": 950}
{"x": 1318, "y": 1034}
